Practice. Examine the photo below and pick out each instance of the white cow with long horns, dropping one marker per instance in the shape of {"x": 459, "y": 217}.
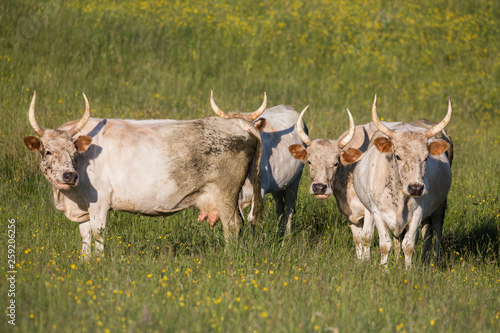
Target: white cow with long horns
{"x": 331, "y": 164}
{"x": 280, "y": 173}
{"x": 403, "y": 178}
{"x": 149, "y": 167}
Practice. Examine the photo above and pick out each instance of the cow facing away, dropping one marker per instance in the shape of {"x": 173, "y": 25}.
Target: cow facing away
{"x": 331, "y": 163}
{"x": 150, "y": 167}
{"x": 280, "y": 172}
{"x": 403, "y": 178}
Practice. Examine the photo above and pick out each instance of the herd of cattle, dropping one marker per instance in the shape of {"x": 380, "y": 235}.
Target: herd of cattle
{"x": 389, "y": 175}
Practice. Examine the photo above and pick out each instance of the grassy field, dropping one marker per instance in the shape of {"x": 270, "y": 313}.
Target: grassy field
{"x": 159, "y": 59}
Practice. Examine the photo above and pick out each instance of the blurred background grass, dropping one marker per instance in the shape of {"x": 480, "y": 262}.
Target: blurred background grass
{"x": 159, "y": 59}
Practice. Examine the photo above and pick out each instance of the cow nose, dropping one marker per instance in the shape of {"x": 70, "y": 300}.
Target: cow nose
{"x": 415, "y": 189}
{"x": 319, "y": 188}
{"x": 70, "y": 177}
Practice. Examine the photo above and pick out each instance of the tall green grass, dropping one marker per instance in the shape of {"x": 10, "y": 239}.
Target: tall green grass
{"x": 159, "y": 59}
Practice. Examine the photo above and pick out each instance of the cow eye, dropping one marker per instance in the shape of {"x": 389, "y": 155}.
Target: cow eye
{"x": 48, "y": 153}
{"x": 336, "y": 164}
{"x": 309, "y": 162}
{"x": 398, "y": 158}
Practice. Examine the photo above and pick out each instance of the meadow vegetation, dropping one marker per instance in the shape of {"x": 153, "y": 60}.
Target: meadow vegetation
{"x": 159, "y": 59}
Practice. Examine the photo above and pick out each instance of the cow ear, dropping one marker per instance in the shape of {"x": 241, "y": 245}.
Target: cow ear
{"x": 260, "y": 124}
{"x": 298, "y": 152}
{"x": 82, "y": 143}
{"x": 351, "y": 155}
{"x": 438, "y": 147}
{"x": 384, "y": 145}
{"x": 32, "y": 143}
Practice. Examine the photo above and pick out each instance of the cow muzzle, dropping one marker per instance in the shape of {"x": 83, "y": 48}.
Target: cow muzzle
{"x": 69, "y": 179}
{"x": 320, "y": 190}
{"x": 416, "y": 190}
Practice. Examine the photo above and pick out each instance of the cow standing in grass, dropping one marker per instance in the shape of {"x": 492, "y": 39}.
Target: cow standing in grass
{"x": 404, "y": 178}
{"x": 149, "y": 167}
{"x": 280, "y": 173}
{"x": 331, "y": 163}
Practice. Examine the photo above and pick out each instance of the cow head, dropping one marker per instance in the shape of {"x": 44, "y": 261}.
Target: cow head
{"x": 250, "y": 117}
{"x": 324, "y": 157}
{"x": 409, "y": 151}
{"x": 58, "y": 149}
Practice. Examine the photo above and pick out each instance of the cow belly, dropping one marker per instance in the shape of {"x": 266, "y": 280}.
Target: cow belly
{"x": 153, "y": 205}
{"x": 168, "y": 201}
{"x": 130, "y": 207}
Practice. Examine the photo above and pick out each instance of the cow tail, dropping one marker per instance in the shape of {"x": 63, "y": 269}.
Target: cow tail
{"x": 258, "y": 207}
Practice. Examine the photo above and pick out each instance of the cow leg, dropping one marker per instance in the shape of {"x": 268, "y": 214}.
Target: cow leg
{"x": 231, "y": 222}
{"x": 367, "y": 235}
{"x": 397, "y": 244}
{"x": 408, "y": 243}
{"x": 357, "y": 234}
{"x": 251, "y": 217}
{"x": 97, "y": 225}
{"x": 437, "y": 227}
{"x": 426, "y": 227}
{"x": 279, "y": 200}
{"x": 85, "y": 232}
{"x": 384, "y": 239}
{"x": 290, "y": 197}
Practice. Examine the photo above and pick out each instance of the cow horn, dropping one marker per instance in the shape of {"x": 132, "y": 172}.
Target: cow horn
{"x": 216, "y": 109}
{"x": 32, "y": 118}
{"x": 342, "y": 143}
{"x": 300, "y": 131}
{"x": 75, "y": 129}
{"x": 381, "y": 127}
{"x": 439, "y": 127}
{"x": 256, "y": 114}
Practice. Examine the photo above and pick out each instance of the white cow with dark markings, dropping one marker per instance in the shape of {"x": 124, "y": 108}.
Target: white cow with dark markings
{"x": 403, "y": 178}
{"x": 331, "y": 164}
{"x": 151, "y": 167}
{"x": 280, "y": 173}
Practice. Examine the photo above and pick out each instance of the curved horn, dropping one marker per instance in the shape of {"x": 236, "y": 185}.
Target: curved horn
{"x": 32, "y": 119}
{"x": 300, "y": 131}
{"x": 75, "y": 129}
{"x": 381, "y": 127}
{"x": 342, "y": 143}
{"x": 216, "y": 109}
{"x": 439, "y": 127}
{"x": 256, "y": 114}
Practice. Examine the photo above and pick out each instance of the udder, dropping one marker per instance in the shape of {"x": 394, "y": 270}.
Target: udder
{"x": 213, "y": 217}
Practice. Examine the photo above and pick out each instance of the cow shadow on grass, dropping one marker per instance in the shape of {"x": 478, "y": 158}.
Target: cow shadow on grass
{"x": 481, "y": 242}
